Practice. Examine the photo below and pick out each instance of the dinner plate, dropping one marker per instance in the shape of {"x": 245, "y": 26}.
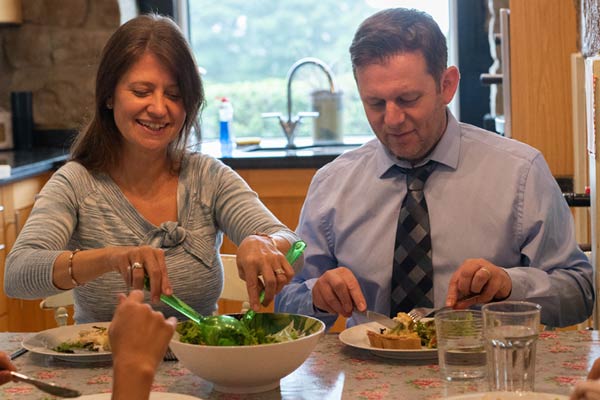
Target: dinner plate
{"x": 356, "y": 336}
{"x": 509, "y": 396}
{"x": 43, "y": 342}
{"x": 153, "y": 396}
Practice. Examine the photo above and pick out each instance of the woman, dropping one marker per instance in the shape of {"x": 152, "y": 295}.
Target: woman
{"x": 132, "y": 202}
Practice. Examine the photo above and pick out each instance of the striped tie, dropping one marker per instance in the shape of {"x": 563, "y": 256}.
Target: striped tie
{"x": 412, "y": 278}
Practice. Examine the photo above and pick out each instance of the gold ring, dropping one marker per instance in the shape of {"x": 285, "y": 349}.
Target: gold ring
{"x": 137, "y": 265}
{"x": 279, "y": 271}
{"x": 484, "y": 269}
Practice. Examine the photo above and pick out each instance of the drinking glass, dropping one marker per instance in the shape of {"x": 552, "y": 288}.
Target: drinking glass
{"x": 511, "y": 330}
{"x": 461, "y": 351}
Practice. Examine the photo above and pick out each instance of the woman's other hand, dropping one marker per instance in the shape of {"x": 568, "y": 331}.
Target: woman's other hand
{"x": 262, "y": 264}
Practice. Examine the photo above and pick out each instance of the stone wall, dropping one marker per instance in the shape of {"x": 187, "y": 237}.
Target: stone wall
{"x": 54, "y": 54}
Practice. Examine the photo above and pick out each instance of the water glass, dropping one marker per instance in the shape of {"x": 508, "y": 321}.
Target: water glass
{"x": 511, "y": 330}
{"x": 461, "y": 351}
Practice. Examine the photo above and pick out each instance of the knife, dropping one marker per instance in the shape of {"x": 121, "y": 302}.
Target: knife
{"x": 51, "y": 388}
{"x": 372, "y": 316}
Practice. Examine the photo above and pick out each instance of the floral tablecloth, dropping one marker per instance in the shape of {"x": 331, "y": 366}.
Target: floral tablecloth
{"x": 333, "y": 371}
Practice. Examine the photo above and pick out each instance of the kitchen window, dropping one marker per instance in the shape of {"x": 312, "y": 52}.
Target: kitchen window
{"x": 246, "y": 47}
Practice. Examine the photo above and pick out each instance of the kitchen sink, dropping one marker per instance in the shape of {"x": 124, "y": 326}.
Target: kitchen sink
{"x": 315, "y": 148}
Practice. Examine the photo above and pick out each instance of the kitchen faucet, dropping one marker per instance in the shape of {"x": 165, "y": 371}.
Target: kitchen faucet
{"x": 289, "y": 125}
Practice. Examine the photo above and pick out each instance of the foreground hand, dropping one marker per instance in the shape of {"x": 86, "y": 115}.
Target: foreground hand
{"x": 477, "y": 281}
{"x": 134, "y": 262}
{"x": 139, "y": 336}
{"x": 337, "y": 291}
{"x": 262, "y": 265}
{"x": 586, "y": 390}
{"x": 595, "y": 371}
{"x": 5, "y": 366}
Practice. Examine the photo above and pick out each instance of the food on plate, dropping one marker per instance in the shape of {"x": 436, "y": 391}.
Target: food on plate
{"x": 95, "y": 339}
{"x": 407, "y": 334}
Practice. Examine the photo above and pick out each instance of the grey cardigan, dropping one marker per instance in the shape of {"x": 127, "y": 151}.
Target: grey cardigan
{"x": 80, "y": 210}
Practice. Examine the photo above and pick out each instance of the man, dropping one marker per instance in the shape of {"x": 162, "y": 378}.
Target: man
{"x": 498, "y": 227}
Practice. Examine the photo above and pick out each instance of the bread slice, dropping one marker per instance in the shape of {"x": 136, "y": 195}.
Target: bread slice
{"x": 406, "y": 341}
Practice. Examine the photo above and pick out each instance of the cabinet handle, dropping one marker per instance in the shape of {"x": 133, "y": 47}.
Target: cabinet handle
{"x": 1, "y": 208}
{"x": 2, "y": 246}
{"x": 18, "y": 222}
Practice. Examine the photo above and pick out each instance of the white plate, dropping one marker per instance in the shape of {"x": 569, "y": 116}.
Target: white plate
{"x": 153, "y": 396}
{"x": 44, "y": 341}
{"x": 509, "y": 396}
{"x": 357, "y": 337}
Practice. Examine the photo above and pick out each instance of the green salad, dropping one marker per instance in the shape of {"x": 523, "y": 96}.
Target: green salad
{"x": 264, "y": 328}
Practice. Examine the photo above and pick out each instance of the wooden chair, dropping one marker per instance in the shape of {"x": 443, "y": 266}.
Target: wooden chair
{"x": 234, "y": 288}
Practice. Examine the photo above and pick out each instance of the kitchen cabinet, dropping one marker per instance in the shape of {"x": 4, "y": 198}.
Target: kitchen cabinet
{"x": 17, "y": 200}
{"x": 543, "y": 35}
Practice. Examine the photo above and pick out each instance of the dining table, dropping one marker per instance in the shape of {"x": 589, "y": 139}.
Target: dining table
{"x": 333, "y": 370}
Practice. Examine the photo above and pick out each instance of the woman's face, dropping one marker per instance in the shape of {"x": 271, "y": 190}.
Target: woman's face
{"x": 148, "y": 108}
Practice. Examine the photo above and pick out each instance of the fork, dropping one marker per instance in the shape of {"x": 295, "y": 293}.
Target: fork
{"x": 418, "y": 313}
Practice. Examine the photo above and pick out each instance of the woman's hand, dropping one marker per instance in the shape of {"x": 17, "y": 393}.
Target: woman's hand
{"x": 262, "y": 264}
{"x": 139, "y": 337}
{"x": 133, "y": 263}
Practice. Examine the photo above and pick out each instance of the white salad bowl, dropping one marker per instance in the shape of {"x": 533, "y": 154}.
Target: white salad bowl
{"x": 255, "y": 368}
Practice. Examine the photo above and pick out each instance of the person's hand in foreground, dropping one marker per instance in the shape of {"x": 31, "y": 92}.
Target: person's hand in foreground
{"x": 5, "y": 367}
{"x": 337, "y": 291}
{"x": 590, "y": 389}
{"x": 139, "y": 337}
{"x": 477, "y": 281}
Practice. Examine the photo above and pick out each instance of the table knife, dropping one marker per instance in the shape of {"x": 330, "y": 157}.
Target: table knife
{"x": 50, "y": 388}
{"x": 372, "y": 316}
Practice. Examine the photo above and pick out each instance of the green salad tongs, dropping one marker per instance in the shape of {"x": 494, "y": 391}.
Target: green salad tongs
{"x": 291, "y": 256}
{"x": 221, "y": 323}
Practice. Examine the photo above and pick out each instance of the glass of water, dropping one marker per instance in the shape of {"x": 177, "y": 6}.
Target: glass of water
{"x": 511, "y": 330}
{"x": 461, "y": 351}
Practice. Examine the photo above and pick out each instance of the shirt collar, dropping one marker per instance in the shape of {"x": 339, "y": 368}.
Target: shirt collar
{"x": 445, "y": 152}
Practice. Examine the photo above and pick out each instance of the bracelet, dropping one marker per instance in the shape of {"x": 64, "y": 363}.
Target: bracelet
{"x": 73, "y": 280}
{"x": 267, "y": 236}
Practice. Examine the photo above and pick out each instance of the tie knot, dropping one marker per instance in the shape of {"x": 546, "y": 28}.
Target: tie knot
{"x": 416, "y": 177}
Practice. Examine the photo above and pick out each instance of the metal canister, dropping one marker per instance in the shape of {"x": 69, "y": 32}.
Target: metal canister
{"x": 327, "y": 126}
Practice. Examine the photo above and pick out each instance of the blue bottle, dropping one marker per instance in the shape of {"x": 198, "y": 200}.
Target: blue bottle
{"x": 225, "y": 133}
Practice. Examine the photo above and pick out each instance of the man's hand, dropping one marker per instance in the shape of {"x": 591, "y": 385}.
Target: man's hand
{"x": 477, "y": 281}
{"x": 337, "y": 291}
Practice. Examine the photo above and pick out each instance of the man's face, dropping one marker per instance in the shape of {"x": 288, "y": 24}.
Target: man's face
{"x": 404, "y": 105}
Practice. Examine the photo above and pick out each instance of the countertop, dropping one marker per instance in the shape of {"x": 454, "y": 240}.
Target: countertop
{"x": 270, "y": 155}
{"x": 27, "y": 163}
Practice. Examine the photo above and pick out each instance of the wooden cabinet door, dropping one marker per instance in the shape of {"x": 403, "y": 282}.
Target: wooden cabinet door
{"x": 543, "y": 35}
{"x": 18, "y": 197}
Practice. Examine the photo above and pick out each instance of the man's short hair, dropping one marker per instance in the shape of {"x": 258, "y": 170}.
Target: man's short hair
{"x": 400, "y": 30}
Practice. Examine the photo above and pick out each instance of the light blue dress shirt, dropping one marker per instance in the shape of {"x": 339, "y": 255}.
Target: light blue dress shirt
{"x": 489, "y": 197}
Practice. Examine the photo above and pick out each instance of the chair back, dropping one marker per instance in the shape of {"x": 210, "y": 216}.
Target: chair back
{"x": 59, "y": 303}
{"x": 234, "y": 288}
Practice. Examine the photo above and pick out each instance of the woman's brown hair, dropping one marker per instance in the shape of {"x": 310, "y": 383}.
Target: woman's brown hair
{"x": 98, "y": 145}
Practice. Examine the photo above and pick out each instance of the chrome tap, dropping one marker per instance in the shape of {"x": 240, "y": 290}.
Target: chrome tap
{"x": 289, "y": 125}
